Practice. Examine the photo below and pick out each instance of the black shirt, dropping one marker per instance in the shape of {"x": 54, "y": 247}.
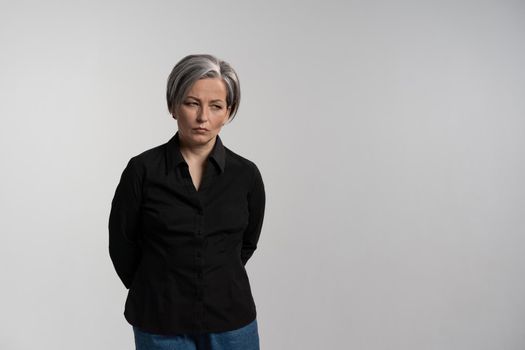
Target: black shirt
{"x": 182, "y": 252}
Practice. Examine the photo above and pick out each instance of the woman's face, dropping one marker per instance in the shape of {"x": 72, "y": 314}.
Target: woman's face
{"x": 204, "y": 107}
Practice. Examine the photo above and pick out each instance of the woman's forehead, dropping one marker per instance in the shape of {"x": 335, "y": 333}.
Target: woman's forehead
{"x": 209, "y": 88}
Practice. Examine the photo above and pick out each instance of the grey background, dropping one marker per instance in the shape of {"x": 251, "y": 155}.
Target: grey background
{"x": 390, "y": 136}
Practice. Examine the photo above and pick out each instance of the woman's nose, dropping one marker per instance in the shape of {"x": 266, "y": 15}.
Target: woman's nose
{"x": 203, "y": 113}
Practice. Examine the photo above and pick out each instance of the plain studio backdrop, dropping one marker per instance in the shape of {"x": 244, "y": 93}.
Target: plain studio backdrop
{"x": 390, "y": 136}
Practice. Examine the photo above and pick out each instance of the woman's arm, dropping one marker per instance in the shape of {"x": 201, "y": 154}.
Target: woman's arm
{"x": 256, "y": 206}
{"x": 124, "y": 249}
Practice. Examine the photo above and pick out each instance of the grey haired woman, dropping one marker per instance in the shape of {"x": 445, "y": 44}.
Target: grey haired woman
{"x": 185, "y": 219}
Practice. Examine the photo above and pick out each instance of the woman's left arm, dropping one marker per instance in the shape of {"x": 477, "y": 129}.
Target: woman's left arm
{"x": 256, "y": 206}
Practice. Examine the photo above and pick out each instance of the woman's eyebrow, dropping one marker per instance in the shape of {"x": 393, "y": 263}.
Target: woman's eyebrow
{"x": 216, "y": 100}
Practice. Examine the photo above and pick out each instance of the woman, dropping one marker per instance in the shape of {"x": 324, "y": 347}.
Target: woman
{"x": 185, "y": 219}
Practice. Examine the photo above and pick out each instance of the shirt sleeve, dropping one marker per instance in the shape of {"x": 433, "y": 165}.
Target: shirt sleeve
{"x": 124, "y": 247}
{"x": 256, "y": 206}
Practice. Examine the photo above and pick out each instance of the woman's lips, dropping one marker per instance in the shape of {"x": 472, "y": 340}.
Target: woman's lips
{"x": 200, "y": 129}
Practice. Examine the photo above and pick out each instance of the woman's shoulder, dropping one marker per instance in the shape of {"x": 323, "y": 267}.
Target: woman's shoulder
{"x": 237, "y": 159}
{"x": 151, "y": 157}
{"x": 242, "y": 165}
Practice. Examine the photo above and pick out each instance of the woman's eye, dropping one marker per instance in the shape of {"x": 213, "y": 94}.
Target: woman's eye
{"x": 191, "y": 103}
{"x": 217, "y": 107}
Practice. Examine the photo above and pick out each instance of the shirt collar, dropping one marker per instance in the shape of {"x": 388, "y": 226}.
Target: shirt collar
{"x": 175, "y": 158}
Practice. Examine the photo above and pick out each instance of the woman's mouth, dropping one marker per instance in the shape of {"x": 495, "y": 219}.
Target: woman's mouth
{"x": 200, "y": 129}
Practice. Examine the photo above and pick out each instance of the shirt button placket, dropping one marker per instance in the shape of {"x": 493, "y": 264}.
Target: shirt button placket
{"x": 199, "y": 311}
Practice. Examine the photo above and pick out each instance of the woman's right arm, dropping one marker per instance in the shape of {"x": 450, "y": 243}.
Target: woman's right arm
{"x": 124, "y": 248}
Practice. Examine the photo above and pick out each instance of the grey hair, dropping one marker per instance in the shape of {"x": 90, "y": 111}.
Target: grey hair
{"x": 194, "y": 67}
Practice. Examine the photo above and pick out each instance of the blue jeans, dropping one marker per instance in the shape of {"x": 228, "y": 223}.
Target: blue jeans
{"x": 245, "y": 338}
